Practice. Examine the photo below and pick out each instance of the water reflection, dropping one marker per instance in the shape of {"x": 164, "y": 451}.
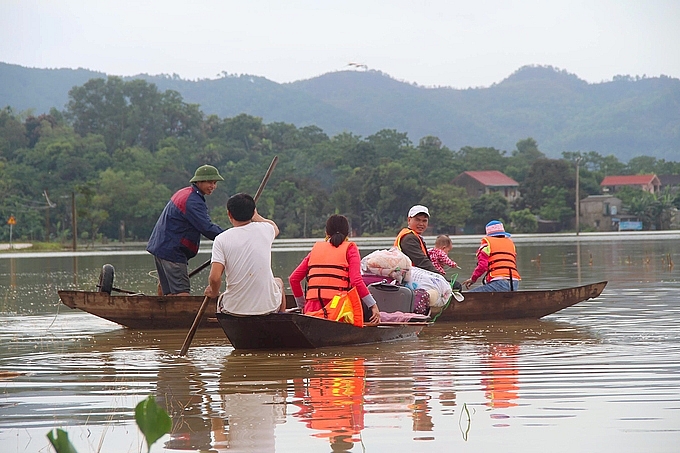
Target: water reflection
{"x": 331, "y": 403}
{"x": 75, "y": 270}
{"x": 501, "y": 381}
{"x": 602, "y": 375}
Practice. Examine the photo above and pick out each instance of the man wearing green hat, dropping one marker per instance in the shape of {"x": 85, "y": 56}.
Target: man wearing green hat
{"x": 177, "y": 234}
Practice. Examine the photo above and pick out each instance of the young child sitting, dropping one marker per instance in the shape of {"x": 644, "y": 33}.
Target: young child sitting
{"x": 439, "y": 255}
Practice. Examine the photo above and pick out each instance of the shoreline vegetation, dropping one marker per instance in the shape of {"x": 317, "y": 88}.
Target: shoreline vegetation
{"x": 364, "y": 242}
{"x": 104, "y": 167}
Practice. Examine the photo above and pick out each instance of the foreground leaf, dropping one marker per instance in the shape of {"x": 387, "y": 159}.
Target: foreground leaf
{"x": 60, "y": 442}
{"x": 152, "y": 420}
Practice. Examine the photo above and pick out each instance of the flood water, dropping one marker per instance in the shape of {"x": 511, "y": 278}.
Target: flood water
{"x": 602, "y": 376}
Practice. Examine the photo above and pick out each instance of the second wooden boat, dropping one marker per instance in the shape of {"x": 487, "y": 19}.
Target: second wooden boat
{"x": 295, "y": 331}
{"x": 138, "y": 311}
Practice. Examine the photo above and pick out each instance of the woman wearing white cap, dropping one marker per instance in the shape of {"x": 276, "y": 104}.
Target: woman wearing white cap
{"x": 497, "y": 258}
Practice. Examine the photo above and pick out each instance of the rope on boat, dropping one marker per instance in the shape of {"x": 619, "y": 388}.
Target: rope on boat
{"x": 453, "y": 280}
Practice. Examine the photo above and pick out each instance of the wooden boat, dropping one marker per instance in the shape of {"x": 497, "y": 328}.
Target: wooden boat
{"x": 138, "y": 311}
{"x": 531, "y": 304}
{"x": 296, "y": 331}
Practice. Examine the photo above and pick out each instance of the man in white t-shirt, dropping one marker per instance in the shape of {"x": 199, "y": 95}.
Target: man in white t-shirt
{"x": 243, "y": 254}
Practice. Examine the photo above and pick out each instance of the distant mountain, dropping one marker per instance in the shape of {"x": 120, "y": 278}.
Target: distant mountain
{"x": 626, "y": 117}
{"x": 39, "y": 89}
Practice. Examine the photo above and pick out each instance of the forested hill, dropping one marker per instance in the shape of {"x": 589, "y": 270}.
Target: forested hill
{"x": 626, "y": 117}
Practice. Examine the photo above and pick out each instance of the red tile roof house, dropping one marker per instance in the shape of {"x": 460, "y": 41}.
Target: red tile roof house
{"x": 478, "y": 183}
{"x": 648, "y": 183}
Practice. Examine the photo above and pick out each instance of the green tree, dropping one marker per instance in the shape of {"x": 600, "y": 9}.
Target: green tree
{"x": 546, "y": 173}
{"x": 555, "y": 206}
{"x": 391, "y": 188}
{"x": 90, "y": 217}
{"x": 12, "y": 134}
{"x": 522, "y": 158}
{"x": 642, "y": 206}
{"x": 130, "y": 113}
{"x": 663, "y": 209}
{"x": 477, "y": 159}
{"x": 488, "y": 207}
{"x": 652, "y": 209}
{"x": 119, "y": 195}
{"x": 449, "y": 207}
{"x": 523, "y": 221}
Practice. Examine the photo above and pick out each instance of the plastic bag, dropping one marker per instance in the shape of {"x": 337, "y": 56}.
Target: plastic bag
{"x": 390, "y": 263}
{"x": 421, "y": 278}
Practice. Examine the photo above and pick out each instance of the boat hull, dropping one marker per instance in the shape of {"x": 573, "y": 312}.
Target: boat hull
{"x": 296, "y": 331}
{"x": 170, "y": 312}
{"x": 532, "y": 304}
{"x": 140, "y": 311}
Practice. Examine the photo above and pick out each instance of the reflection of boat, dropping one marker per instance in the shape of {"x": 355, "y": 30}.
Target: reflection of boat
{"x": 292, "y": 330}
{"x": 517, "y": 304}
{"x": 139, "y": 311}
{"x": 515, "y": 331}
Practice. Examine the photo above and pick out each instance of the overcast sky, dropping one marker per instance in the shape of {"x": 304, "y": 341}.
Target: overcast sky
{"x": 432, "y": 43}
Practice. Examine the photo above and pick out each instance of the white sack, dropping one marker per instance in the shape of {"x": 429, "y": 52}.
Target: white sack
{"x": 387, "y": 263}
{"x": 421, "y": 278}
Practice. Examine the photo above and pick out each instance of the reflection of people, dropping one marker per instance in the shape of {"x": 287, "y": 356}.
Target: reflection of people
{"x": 241, "y": 418}
{"x": 177, "y": 234}
{"x": 333, "y": 401}
{"x": 439, "y": 254}
{"x": 191, "y": 413}
{"x": 501, "y": 385}
{"x": 332, "y": 267}
{"x": 252, "y": 418}
{"x": 498, "y": 258}
{"x": 410, "y": 240}
{"x": 243, "y": 254}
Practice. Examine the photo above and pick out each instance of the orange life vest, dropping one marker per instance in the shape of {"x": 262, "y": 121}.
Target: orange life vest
{"x": 345, "y": 307}
{"x": 328, "y": 270}
{"x": 502, "y": 258}
{"x": 404, "y": 232}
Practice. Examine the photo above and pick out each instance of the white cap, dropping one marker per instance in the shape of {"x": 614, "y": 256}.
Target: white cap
{"x": 418, "y": 209}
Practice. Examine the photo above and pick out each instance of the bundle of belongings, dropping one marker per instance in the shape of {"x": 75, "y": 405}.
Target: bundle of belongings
{"x": 435, "y": 284}
{"x": 391, "y": 264}
{"x": 400, "y": 287}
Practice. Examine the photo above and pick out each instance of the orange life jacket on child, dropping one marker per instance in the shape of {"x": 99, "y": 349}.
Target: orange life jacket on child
{"x": 502, "y": 259}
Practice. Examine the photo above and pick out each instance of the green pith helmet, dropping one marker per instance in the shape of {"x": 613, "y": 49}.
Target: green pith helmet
{"x": 206, "y": 173}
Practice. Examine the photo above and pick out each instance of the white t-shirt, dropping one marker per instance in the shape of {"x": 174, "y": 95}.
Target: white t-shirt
{"x": 245, "y": 252}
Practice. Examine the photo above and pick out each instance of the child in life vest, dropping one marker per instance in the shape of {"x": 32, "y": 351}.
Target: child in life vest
{"x": 439, "y": 255}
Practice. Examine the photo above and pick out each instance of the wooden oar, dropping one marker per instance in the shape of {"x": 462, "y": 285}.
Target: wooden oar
{"x": 256, "y": 197}
{"x": 204, "y": 304}
{"x": 194, "y": 326}
{"x": 124, "y": 291}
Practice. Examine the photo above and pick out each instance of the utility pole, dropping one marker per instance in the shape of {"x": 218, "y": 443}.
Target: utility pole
{"x": 74, "y": 221}
{"x": 578, "y": 197}
{"x": 47, "y": 216}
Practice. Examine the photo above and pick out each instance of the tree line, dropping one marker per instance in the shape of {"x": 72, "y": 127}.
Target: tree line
{"x": 121, "y": 148}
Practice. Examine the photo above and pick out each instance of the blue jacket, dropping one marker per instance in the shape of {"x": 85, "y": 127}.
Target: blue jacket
{"x": 177, "y": 234}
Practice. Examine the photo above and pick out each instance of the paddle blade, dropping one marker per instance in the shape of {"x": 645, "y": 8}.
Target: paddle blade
{"x": 194, "y": 327}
